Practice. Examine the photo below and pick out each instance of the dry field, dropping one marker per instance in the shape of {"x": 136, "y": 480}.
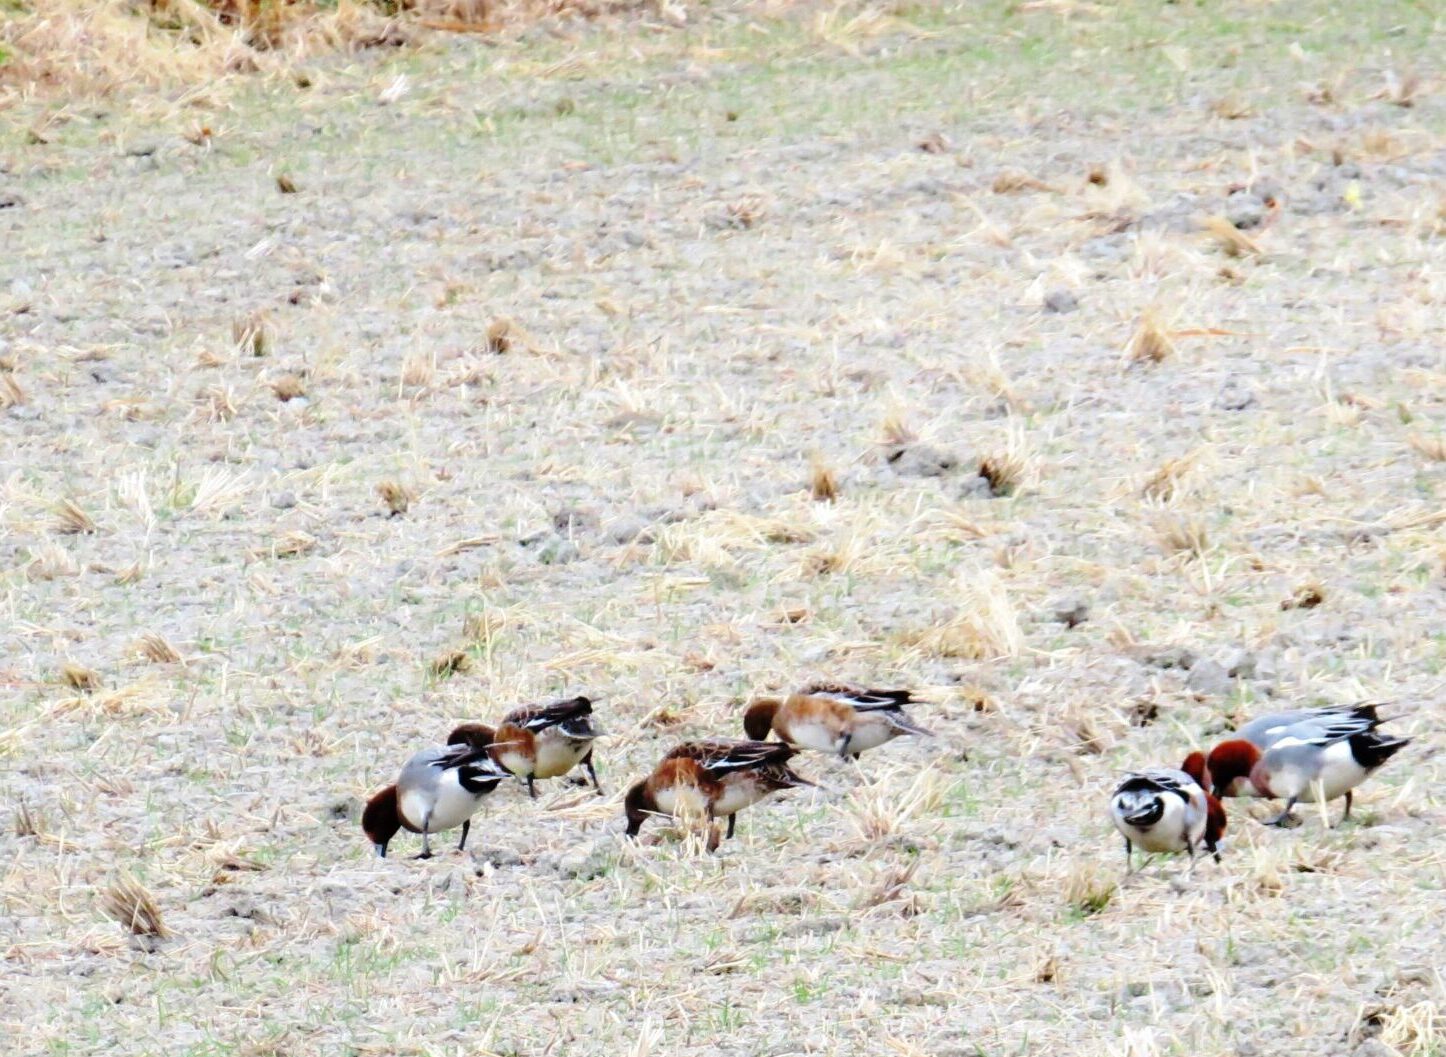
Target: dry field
{"x": 1081, "y": 366}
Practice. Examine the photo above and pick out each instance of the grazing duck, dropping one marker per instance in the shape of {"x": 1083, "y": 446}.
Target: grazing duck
{"x": 539, "y": 741}
{"x": 711, "y": 779}
{"x": 1168, "y": 810}
{"x": 1231, "y": 770}
{"x": 1320, "y": 757}
{"x": 438, "y": 789}
{"x": 833, "y": 718}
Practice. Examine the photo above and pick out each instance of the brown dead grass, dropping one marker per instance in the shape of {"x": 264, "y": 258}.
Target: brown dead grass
{"x": 1151, "y": 341}
{"x": 129, "y": 903}
{"x": 117, "y": 46}
{"x": 1431, "y": 446}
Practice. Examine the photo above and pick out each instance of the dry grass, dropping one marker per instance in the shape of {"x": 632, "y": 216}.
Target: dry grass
{"x": 823, "y": 481}
{"x": 1230, "y": 239}
{"x": 254, "y": 334}
{"x": 1433, "y": 446}
{"x": 1182, "y": 533}
{"x": 1151, "y": 341}
{"x": 1165, "y": 483}
{"x": 397, "y": 497}
{"x": 1089, "y": 888}
{"x": 1012, "y": 469}
{"x": 985, "y": 627}
{"x": 79, "y": 677}
{"x": 130, "y": 904}
{"x": 156, "y": 649}
{"x": 71, "y": 520}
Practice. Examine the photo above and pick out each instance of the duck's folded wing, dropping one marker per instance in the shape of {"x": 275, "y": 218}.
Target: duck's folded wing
{"x": 540, "y": 717}
{"x": 1333, "y": 728}
{"x": 861, "y": 698}
{"x": 719, "y": 755}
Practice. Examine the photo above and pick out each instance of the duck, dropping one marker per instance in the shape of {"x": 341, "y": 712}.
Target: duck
{"x": 438, "y": 789}
{"x": 539, "y": 741}
{"x": 712, "y": 778}
{"x": 1322, "y": 756}
{"x": 1265, "y": 731}
{"x": 1169, "y": 809}
{"x": 833, "y": 718}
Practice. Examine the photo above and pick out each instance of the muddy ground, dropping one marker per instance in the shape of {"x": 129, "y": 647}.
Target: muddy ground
{"x": 593, "y": 308}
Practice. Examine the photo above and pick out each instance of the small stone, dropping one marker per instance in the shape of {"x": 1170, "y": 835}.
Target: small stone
{"x": 557, "y": 551}
{"x": 630, "y": 527}
{"x": 921, "y": 460}
{"x": 1209, "y": 677}
{"x": 1235, "y": 396}
{"x": 1060, "y": 301}
{"x": 1245, "y": 210}
{"x": 1239, "y": 664}
{"x": 495, "y": 858}
{"x": 283, "y": 500}
{"x": 571, "y": 521}
{"x": 1071, "y": 611}
{"x": 1170, "y": 657}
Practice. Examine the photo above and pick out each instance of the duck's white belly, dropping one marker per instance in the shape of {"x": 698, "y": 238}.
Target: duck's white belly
{"x": 513, "y": 761}
{"x": 446, "y": 808}
{"x": 1168, "y": 833}
{"x": 814, "y": 735}
{"x": 736, "y": 796}
{"x": 682, "y": 800}
{"x": 557, "y": 754}
{"x": 1339, "y": 774}
{"x": 870, "y": 732}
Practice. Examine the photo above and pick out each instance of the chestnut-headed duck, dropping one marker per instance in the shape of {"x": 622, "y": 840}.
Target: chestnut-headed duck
{"x": 1314, "y": 760}
{"x": 833, "y": 718}
{"x": 1168, "y": 810}
{"x": 539, "y": 741}
{"x": 438, "y": 789}
{"x": 711, "y": 779}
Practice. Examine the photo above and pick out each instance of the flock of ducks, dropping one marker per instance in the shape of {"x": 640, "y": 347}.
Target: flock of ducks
{"x": 1304, "y": 756}
{"x": 441, "y": 788}
{"x": 1309, "y": 756}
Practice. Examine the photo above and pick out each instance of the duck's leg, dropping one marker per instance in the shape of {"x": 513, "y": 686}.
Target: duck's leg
{"x": 843, "y": 748}
{"x": 713, "y": 839}
{"x": 1350, "y": 796}
{"x": 531, "y": 787}
{"x": 732, "y": 823}
{"x": 592, "y": 772}
{"x": 1190, "y": 847}
{"x": 426, "y": 843}
{"x": 1285, "y": 816}
{"x": 1129, "y": 857}
{"x": 466, "y": 828}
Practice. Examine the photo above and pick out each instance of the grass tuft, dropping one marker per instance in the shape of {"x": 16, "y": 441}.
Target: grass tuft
{"x": 985, "y": 627}
{"x": 79, "y": 677}
{"x": 1151, "y": 342}
{"x": 71, "y": 520}
{"x": 156, "y": 649}
{"x": 396, "y": 496}
{"x": 127, "y": 902}
{"x": 823, "y": 482}
{"x": 1089, "y": 888}
{"x": 1431, "y": 446}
